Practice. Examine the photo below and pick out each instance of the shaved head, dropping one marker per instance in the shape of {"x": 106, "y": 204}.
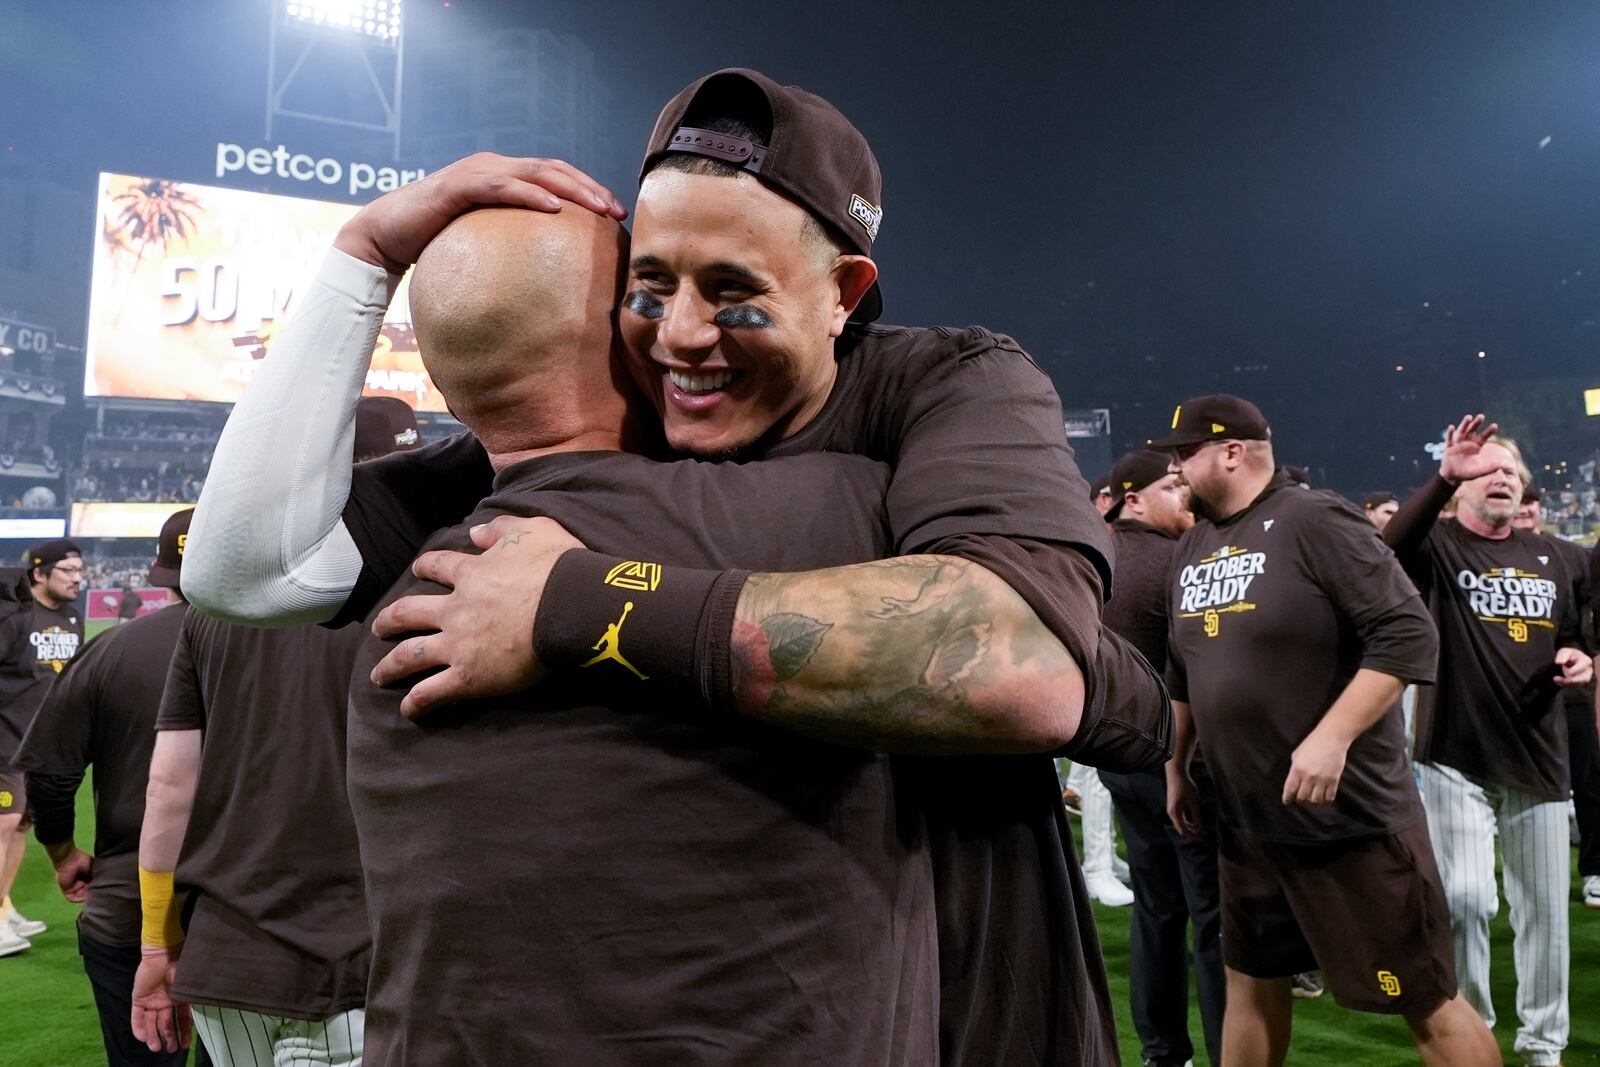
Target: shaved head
{"x": 513, "y": 312}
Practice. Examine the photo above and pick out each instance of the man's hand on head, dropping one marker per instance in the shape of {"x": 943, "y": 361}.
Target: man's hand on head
{"x": 392, "y": 231}
{"x": 481, "y": 632}
{"x": 1577, "y": 669}
{"x": 1463, "y": 458}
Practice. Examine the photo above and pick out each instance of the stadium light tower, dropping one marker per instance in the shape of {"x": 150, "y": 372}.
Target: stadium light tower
{"x": 307, "y": 36}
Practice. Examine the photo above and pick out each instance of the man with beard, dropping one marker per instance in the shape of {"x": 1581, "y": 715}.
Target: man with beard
{"x": 749, "y": 261}
{"x": 1292, "y": 632}
{"x": 37, "y": 641}
{"x": 1380, "y": 508}
{"x": 1174, "y": 877}
{"x": 1491, "y": 738}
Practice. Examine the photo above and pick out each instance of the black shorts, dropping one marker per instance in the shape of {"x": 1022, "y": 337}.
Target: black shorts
{"x": 1369, "y": 912}
{"x": 13, "y": 794}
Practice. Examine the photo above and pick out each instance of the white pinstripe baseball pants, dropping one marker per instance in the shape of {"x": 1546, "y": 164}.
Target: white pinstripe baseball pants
{"x": 249, "y": 1039}
{"x": 1098, "y": 848}
{"x": 1463, "y": 817}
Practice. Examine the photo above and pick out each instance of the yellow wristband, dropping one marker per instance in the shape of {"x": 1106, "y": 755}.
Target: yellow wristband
{"x": 161, "y": 928}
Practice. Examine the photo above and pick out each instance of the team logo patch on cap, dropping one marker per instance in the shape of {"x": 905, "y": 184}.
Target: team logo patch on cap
{"x": 1217, "y": 427}
{"x": 406, "y": 437}
{"x": 870, "y": 217}
{"x": 183, "y": 542}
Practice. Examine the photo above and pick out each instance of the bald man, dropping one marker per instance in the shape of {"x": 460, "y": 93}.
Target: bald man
{"x": 613, "y": 875}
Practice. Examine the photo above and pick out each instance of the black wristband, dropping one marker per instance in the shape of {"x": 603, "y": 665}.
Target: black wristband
{"x": 635, "y": 622}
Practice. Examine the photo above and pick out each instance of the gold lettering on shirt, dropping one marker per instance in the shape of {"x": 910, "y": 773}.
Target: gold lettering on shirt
{"x": 1389, "y": 983}
{"x": 608, "y": 647}
{"x": 634, "y": 575}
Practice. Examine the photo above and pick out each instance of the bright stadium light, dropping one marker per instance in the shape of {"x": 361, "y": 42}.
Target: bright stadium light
{"x": 378, "y": 19}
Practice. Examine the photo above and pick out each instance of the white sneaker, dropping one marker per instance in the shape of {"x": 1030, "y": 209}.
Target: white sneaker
{"x": 25, "y": 927}
{"x": 1591, "y": 891}
{"x": 12, "y": 942}
{"x": 1108, "y": 891}
{"x": 1119, "y": 868}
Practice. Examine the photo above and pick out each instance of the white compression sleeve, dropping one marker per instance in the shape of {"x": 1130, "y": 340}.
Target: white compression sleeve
{"x": 267, "y": 545}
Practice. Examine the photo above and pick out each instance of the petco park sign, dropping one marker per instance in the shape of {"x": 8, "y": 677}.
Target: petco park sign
{"x": 354, "y": 176}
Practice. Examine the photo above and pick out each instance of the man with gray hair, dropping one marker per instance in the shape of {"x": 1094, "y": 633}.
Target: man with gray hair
{"x": 1491, "y": 738}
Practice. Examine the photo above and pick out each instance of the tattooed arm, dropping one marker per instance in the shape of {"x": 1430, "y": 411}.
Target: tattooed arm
{"x": 926, "y": 654}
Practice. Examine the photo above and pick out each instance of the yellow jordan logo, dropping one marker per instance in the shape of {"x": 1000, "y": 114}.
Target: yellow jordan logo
{"x": 607, "y": 646}
{"x": 1518, "y": 630}
{"x": 640, "y": 577}
{"x": 1389, "y": 983}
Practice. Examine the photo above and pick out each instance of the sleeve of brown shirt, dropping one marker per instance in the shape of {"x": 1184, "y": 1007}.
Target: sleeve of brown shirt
{"x": 57, "y": 749}
{"x": 1127, "y": 719}
{"x": 1594, "y": 596}
{"x": 1365, "y": 583}
{"x": 1408, "y": 529}
{"x": 396, "y": 503}
{"x": 183, "y": 705}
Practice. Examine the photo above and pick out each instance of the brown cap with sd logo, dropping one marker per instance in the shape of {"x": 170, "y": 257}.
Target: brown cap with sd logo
{"x": 1219, "y": 417}
{"x": 169, "y": 549}
{"x": 814, "y": 156}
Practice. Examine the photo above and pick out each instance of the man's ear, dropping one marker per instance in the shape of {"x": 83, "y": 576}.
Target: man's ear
{"x": 852, "y": 277}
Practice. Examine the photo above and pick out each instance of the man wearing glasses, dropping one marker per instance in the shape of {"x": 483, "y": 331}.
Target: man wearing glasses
{"x": 37, "y": 640}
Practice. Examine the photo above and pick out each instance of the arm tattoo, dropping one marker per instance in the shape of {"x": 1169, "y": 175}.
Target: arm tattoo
{"x": 917, "y": 653}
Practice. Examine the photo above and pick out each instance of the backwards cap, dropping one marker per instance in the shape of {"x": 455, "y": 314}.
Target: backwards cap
{"x": 814, "y": 156}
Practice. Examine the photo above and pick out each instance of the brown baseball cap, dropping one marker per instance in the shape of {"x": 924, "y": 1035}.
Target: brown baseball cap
{"x": 169, "y": 549}
{"x": 1377, "y": 499}
{"x": 47, "y": 554}
{"x": 1133, "y": 473}
{"x": 384, "y": 424}
{"x": 1219, "y": 417}
{"x": 814, "y": 156}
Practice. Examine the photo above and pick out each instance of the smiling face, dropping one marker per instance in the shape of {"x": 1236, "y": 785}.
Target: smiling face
{"x": 731, "y": 310}
{"x": 1494, "y": 498}
{"x": 1527, "y": 516}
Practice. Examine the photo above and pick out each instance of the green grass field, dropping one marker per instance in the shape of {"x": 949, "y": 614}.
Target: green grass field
{"x": 49, "y": 1019}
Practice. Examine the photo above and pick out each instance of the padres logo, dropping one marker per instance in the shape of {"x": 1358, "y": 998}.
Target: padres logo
{"x": 1518, "y": 630}
{"x": 183, "y": 542}
{"x": 640, "y": 577}
{"x": 1389, "y": 983}
{"x": 1213, "y": 622}
{"x": 6, "y": 798}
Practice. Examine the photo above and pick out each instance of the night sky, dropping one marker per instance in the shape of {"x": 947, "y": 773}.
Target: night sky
{"x": 1284, "y": 200}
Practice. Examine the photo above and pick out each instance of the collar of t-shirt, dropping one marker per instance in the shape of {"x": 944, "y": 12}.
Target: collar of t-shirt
{"x": 1279, "y": 481}
{"x": 1135, "y": 526}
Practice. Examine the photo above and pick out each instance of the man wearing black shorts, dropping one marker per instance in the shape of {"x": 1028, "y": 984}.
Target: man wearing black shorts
{"x": 101, "y": 713}
{"x": 985, "y": 506}
{"x": 1293, "y": 630}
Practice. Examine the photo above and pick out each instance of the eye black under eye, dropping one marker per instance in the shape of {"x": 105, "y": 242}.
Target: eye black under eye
{"x": 644, "y": 305}
{"x": 743, "y": 316}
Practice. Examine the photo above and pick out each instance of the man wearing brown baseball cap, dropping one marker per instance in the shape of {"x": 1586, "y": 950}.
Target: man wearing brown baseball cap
{"x": 1218, "y": 417}
{"x": 743, "y": 324}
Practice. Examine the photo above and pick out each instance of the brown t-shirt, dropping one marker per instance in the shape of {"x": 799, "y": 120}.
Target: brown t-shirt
{"x": 278, "y": 921}
{"x": 1273, "y": 611}
{"x": 982, "y": 470}
{"x": 1576, "y": 558}
{"x": 1503, "y": 607}
{"x": 36, "y": 644}
{"x": 1138, "y": 608}
{"x": 594, "y": 872}
{"x": 100, "y": 713}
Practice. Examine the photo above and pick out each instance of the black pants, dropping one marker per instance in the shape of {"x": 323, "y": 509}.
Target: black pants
{"x": 110, "y": 969}
{"x": 1584, "y": 745}
{"x": 1174, "y": 884}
